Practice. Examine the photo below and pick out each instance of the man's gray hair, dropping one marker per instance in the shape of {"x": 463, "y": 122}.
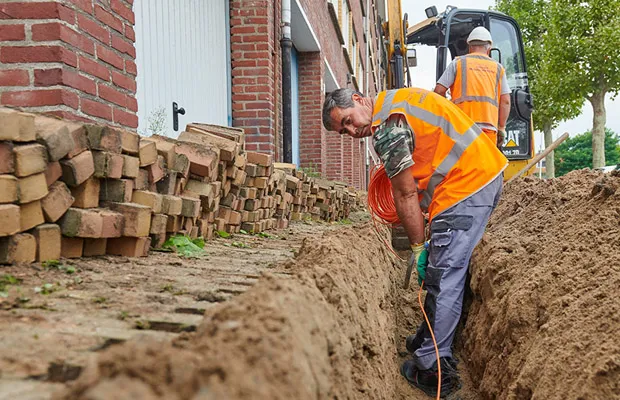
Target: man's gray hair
{"x": 480, "y": 43}
{"x": 341, "y": 98}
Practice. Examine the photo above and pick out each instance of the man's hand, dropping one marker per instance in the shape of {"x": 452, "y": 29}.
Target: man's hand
{"x": 501, "y": 135}
{"x": 440, "y": 90}
{"x": 421, "y": 266}
{"x": 420, "y": 260}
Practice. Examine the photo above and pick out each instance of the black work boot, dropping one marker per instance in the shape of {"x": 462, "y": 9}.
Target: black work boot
{"x": 412, "y": 343}
{"x": 426, "y": 380}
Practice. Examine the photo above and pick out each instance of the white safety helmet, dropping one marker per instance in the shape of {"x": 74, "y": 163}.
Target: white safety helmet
{"x": 480, "y": 34}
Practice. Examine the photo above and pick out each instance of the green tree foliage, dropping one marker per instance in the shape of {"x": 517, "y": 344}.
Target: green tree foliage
{"x": 576, "y": 152}
{"x": 582, "y": 45}
{"x": 553, "y": 104}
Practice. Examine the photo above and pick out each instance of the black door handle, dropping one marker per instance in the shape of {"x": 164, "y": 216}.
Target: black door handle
{"x": 175, "y": 115}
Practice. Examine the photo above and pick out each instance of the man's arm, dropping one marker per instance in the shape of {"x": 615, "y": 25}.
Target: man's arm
{"x": 408, "y": 206}
{"x": 441, "y": 90}
{"x": 446, "y": 80}
{"x": 504, "y": 101}
{"x": 504, "y": 110}
{"x": 394, "y": 143}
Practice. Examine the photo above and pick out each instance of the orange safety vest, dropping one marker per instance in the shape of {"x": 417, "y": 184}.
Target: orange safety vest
{"x": 476, "y": 87}
{"x": 452, "y": 159}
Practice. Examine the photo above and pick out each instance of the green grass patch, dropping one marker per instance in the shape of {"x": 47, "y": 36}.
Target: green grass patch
{"x": 185, "y": 246}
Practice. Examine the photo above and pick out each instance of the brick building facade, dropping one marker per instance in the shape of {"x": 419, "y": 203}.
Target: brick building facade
{"x": 77, "y": 59}
{"x": 74, "y": 59}
{"x": 347, "y": 45}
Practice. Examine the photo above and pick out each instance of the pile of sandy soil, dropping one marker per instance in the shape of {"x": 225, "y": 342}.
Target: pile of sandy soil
{"x": 545, "y": 320}
{"x": 328, "y": 332}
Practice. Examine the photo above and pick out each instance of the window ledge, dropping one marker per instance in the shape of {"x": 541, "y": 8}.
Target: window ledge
{"x": 334, "y": 16}
{"x": 347, "y": 58}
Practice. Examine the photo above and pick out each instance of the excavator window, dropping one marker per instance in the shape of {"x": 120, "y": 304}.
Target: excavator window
{"x": 505, "y": 39}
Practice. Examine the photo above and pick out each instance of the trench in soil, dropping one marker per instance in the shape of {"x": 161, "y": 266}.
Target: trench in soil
{"x": 332, "y": 324}
{"x": 329, "y": 323}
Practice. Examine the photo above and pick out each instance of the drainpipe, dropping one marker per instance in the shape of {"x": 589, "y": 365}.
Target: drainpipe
{"x": 286, "y": 44}
{"x": 366, "y": 83}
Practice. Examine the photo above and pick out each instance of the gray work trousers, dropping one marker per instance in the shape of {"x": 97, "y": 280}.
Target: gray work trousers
{"x": 455, "y": 233}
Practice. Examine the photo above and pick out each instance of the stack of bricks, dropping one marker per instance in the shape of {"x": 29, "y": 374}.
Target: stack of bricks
{"x": 71, "y": 190}
{"x": 315, "y": 198}
{"x": 55, "y": 175}
{"x": 255, "y": 199}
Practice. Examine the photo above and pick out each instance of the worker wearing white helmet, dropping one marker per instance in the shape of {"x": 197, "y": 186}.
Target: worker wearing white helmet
{"x": 478, "y": 86}
{"x": 480, "y": 34}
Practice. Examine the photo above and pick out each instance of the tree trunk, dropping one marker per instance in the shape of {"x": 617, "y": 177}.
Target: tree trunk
{"x": 598, "y": 129}
{"x": 549, "y": 160}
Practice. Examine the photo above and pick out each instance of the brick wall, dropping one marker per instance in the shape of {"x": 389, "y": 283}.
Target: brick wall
{"x": 256, "y": 70}
{"x": 341, "y": 158}
{"x": 312, "y": 144}
{"x": 71, "y": 58}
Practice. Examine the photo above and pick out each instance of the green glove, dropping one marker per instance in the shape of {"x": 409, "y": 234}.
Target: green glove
{"x": 421, "y": 264}
{"x": 420, "y": 255}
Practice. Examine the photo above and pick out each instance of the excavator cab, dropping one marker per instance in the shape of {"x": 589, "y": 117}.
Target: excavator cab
{"x": 448, "y": 32}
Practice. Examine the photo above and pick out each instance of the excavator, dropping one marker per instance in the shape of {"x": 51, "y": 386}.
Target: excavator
{"x": 448, "y": 31}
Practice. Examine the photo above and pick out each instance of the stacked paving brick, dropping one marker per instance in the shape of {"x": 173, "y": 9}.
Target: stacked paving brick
{"x": 317, "y": 198}
{"x": 73, "y": 190}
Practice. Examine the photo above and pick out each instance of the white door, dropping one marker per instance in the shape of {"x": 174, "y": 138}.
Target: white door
{"x": 182, "y": 54}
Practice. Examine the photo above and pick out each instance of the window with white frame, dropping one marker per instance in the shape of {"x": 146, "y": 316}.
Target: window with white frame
{"x": 360, "y": 77}
{"x": 354, "y": 53}
{"x": 336, "y": 4}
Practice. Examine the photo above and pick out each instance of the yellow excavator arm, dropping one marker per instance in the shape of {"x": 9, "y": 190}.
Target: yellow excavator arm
{"x": 394, "y": 35}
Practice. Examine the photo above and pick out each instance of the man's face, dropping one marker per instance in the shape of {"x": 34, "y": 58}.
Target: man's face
{"x": 354, "y": 121}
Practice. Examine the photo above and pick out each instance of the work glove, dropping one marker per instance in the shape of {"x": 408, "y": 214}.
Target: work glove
{"x": 421, "y": 264}
{"x": 501, "y": 135}
{"x": 419, "y": 259}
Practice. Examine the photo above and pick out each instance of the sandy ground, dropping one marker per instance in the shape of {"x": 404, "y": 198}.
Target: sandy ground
{"x": 545, "y": 320}
{"x": 319, "y": 313}
{"x": 48, "y": 338}
{"x": 327, "y": 331}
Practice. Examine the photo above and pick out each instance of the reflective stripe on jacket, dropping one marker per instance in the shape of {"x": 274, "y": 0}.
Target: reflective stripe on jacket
{"x": 452, "y": 159}
{"x": 476, "y": 87}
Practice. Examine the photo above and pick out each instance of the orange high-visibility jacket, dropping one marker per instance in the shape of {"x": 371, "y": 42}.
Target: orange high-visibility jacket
{"x": 476, "y": 87}
{"x": 452, "y": 159}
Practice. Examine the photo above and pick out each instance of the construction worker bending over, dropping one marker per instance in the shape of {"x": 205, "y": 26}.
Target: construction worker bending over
{"x": 478, "y": 86}
{"x": 440, "y": 162}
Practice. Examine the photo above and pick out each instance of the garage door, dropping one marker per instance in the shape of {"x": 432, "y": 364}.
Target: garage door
{"x": 182, "y": 56}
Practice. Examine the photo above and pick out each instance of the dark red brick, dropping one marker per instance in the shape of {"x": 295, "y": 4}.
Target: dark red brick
{"x": 37, "y": 98}
{"x": 108, "y": 18}
{"x": 30, "y": 54}
{"x": 84, "y": 5}
{"x": 131, "y": 67}
{"x": 122, "y": 10}
{"x": 48, "y": 77}
{"x": 14, "y": 77}
{"x": 123, "y": 45}
{"x": 109, "y": 56}
{"x": 58, "y": 31}
{"x": 112, "y": 95}
{"x": 94, "y": 68}
{"x": 12, "y": 32}
{"x": 124, "y": 118}
{"x": 94, "y": 28}
{"x": 130, "y": 33}
{"x": 124, "y": 81}
{"x": 29, "y": 10}
{"x": 96, "y": 109}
